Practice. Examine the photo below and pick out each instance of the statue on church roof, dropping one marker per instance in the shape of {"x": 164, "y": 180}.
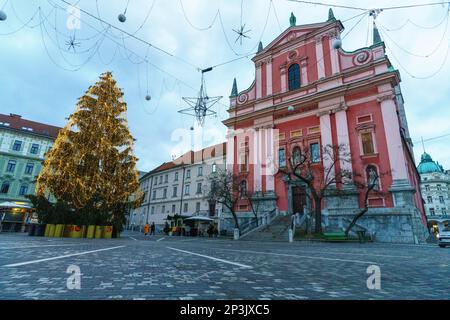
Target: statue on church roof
{"x": 292, "y": 20}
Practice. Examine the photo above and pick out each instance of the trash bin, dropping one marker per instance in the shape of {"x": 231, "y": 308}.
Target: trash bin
{"x": 90, "y": 232}
{"x": 98, "y": 232}
{"x": 31, "y": 229}
{"x": 107, "y": 232}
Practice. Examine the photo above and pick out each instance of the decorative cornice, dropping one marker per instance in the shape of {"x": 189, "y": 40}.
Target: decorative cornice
{"x": 385, "y": 96}
{"x": 342, "y": 106}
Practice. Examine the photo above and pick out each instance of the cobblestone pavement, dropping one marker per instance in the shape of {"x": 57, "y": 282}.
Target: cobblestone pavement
{"x": 135, "y": 267}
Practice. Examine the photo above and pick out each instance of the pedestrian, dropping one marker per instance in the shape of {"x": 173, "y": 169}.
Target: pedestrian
{"x": 152, "y": 229}
{"x": 146, "y": 228}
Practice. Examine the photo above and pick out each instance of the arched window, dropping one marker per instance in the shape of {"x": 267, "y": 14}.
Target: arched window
{"x": 294, "y": 77}
{"x": 296, "y": 156}
{"x": 373, "y": 178}
{"x": 243, "y": 188}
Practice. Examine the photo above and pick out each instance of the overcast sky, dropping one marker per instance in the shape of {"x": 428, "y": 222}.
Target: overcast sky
{"x": 41, "y": 78}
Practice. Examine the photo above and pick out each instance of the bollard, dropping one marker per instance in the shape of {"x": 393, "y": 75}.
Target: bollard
{"x": 291, "y": 235}
{"x": 236, "y": 234}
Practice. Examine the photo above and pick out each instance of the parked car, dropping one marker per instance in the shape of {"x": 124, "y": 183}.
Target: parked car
{"x": 444, "y": 236}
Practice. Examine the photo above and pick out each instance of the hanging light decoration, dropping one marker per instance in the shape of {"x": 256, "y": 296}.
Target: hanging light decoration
{"x": 122, "y": 17}
{"x": 337, "y": 43}
{"x": 291, "y": 108}
{"x": 3, "y": 15}
{"x": 148, "y": 97}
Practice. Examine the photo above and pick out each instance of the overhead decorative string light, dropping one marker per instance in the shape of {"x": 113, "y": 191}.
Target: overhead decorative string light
{"x": 122, "y": 17}
{"x": 241, "y": 31}
{"x": 148, "y": 97}
{"x": 72, "y": 42}
{"x": 3, "y": 15}
{"x": 200, "y": 106}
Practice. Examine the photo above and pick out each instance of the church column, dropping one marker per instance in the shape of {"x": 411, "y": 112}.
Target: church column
{"x": 257, "y": 160}
{"x": 319, "y": 57}
{"x": 304, "y": 71}
{"x": 327, "y": 140}
{"x": 343, "y": 138}
{"x": 333, "y": 53}
{"x": 269, "y": 89}
{"x": 230, "y": 150}
{"x": 258, "y": 80}
{"x": 401, "y": 189}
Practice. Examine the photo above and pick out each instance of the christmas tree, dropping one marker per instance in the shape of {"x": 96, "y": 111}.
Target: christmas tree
{"x": 91, "y": 165}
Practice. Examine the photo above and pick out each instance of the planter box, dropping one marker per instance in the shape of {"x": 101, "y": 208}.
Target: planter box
{"x": 107, "y": 232}
{"x": 98, "y": 232}
{"x": 50, "y": 230}
{"x": 59, "y": 229}
{"x": 90, "y": 232}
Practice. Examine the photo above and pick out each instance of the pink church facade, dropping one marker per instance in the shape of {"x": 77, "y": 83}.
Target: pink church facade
{"x": 309, "y": 93}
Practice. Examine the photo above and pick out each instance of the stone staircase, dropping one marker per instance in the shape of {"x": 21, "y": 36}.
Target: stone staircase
{"x": 277, "y": 230}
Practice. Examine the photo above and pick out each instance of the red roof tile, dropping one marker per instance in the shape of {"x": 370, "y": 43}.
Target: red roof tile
{"x": 16, "y": 122}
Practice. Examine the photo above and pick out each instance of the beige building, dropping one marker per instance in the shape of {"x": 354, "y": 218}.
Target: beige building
{"x": 179, "y": 187}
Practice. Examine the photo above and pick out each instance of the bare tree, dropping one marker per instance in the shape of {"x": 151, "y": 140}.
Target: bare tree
{"x": 368, "y": 183}
{"x": 319, "y": 173}
{"x": 255, "y": 203}
{"x": 224, "y": 189}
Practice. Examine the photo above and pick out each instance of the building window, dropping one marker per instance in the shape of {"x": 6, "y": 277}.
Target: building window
{"x": 315, "y": 152}
{"x": 444, "y": 211}
{"x": 163, "y": 209}
{"x": 373, "y": 178}
{"x": 432, "y": 213}
{"x": 427, "y": 188}
{"x": 153, "y": 210}
{"x": 175, "y": 191}
{"x": 441, "y": 199}
{"x": 11, "y": 166}
{"x": 23, "y": 190}
{"x": 197, "y": 207}
{"x": 200, "y": 171}
{"x": 186, "y": 207}
{"x": 243, "y": 188}
{"x": 5, "y": 187}
{"x": 154, "y": 195}
{"x": 165, "y": 193}
{"x": 367, "y": 143}
{"x": 430, "y": 199}
{"x": 439, "y": 187}
{"x": 296, "y": 156}
{"x": 186, "y": 190}
{"x": 29, "y": 168}
{"x": 34, "y": 148}
{"x": 166, "y": 178}
{"x": 17, "y": 145}
{"x": 199, "y": 188}
{"x": 282, "y": 158}
{"x": 156, "y": 181}
{"x": 188, "y": 173}
{"x": 160, "y": 179}
{"x": 176, "y": 176}
{"x": 294, "y": 77}
{"x": 214, "y": 168}
{"x": 173, "y": 208}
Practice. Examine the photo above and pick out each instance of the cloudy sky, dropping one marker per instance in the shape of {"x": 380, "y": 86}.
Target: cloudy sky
{"x": 41, "y": 78}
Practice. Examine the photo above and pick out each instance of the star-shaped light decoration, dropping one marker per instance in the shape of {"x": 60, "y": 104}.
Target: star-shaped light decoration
{"x": 242, "y": 33}
{"x": 200, "y": 107}
{"x": 72, "y": 43}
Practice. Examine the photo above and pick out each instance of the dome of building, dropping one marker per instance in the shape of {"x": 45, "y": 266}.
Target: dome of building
{"x": 427, "y": 165}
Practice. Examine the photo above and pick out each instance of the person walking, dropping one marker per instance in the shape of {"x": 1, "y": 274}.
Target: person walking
{"x": 146, "y": 228}
{"x": 152, "y": 229}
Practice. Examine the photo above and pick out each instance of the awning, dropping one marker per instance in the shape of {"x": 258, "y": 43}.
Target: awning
{"x": 199, "y": 218}
{"x": 9, "y": 204}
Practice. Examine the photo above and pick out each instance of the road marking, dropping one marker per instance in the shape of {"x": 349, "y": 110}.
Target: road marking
{"x": 300, "y": 256}
{"x": 161, "y": 239}
{"x": 364, "y": 254}
{"x": 212, "y": 258}
{"x": 133, "y": 238}
{"x": 46, "y": 245}
{"x": 60, "y": 257}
